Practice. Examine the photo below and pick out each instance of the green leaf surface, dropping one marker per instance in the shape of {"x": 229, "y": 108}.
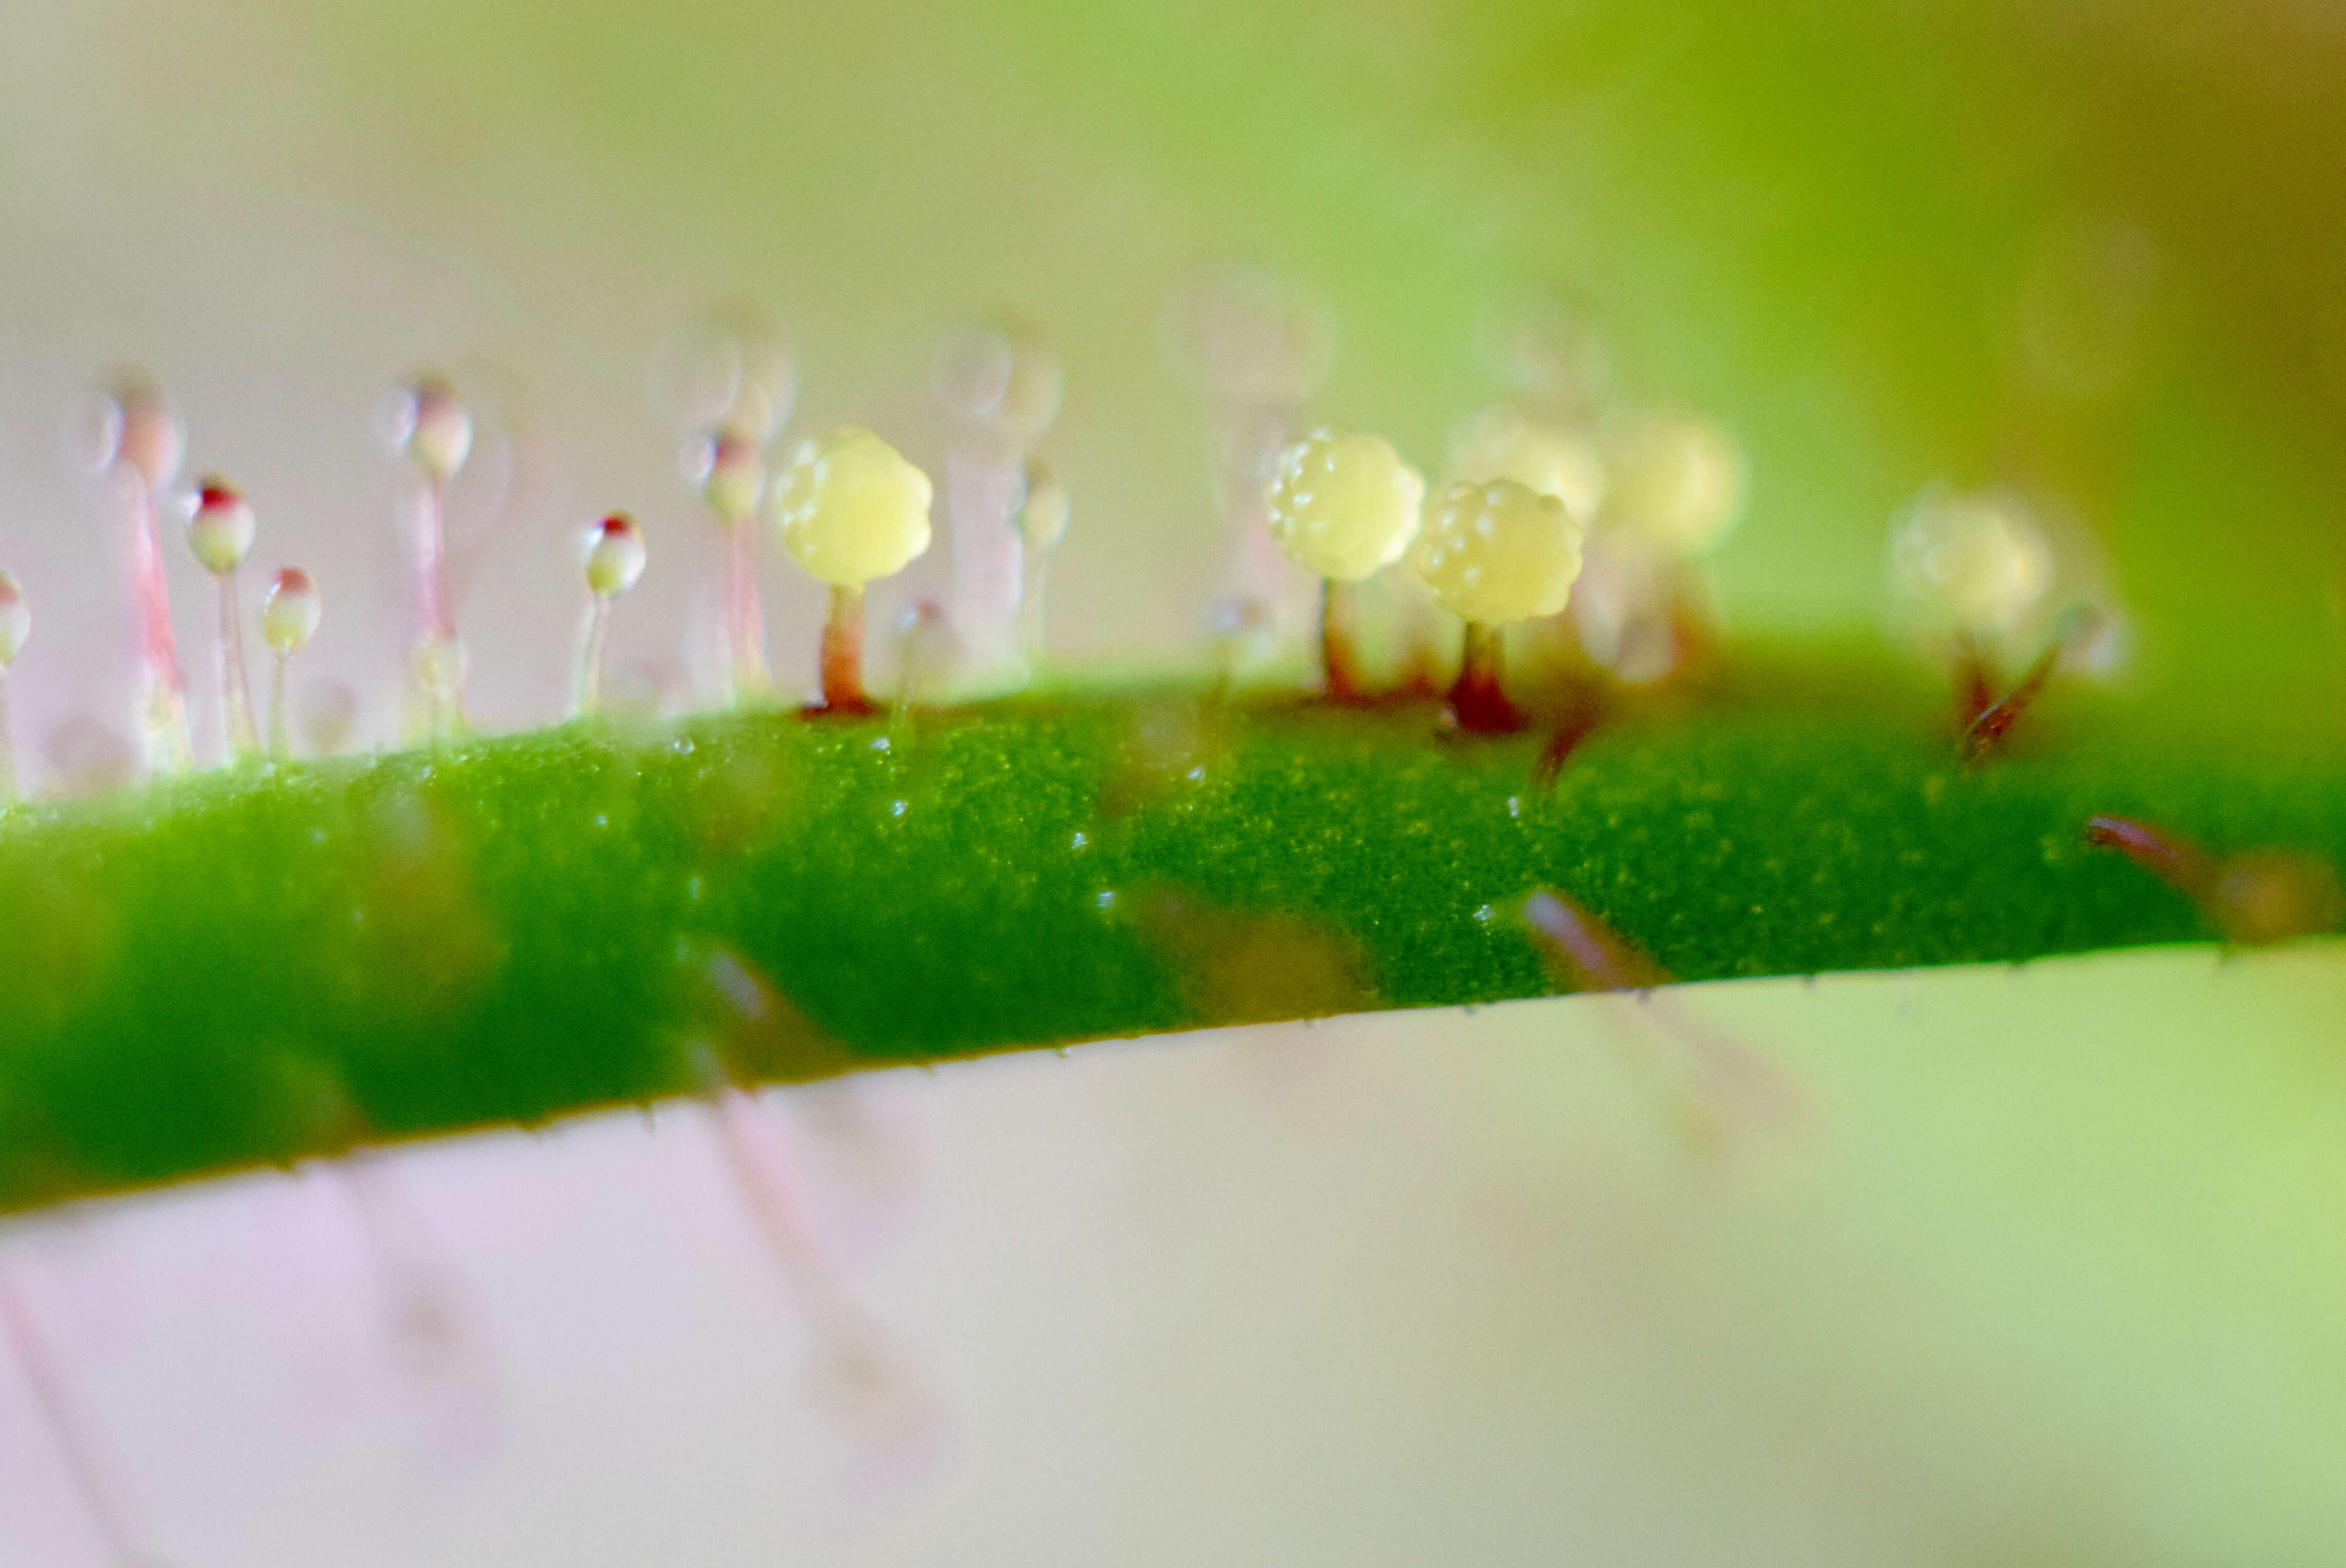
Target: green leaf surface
{"x": 236, "y": 968}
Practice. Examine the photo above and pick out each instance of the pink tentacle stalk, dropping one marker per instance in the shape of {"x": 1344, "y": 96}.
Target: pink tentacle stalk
{"x": 436, "y": 433}
{"x": 732, "y": 468}
{"x": 164, "y": 702}
{"x": 439, "y": 657}
{"x": 745, "y": 616}
{"x": 74, "y": 1444}
{"x": 8, "y": 788}
{"x": 236, "y": 682}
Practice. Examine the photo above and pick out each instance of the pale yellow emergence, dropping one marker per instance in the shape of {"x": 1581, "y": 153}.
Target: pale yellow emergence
{"x": 1970, "y": 563}
{"x": 1676, "y": 480}
{"x": 1344, "y": 506}
{"x": 1498, "y": 551}
{"x": 1505, "y": 444}
{"x": 851, "y": 509}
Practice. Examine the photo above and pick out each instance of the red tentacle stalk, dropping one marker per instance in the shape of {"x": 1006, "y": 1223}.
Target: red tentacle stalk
{"x": 1974, "y": 683}
{"x": 1340, "y": 641}
{"x": 842, "y": 655}
{"x": 1987, "y": 731}
{"x": 2253, "y": 898}
{"x": 2181, "y": 865}
{"x": 1577, "y": 722}
{"x": 1478, "y": 699}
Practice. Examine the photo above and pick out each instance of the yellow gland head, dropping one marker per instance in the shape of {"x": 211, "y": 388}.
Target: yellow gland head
{"x": 1043, "y": 509}
{"x": 1552, "y": 459}
{"x": 220, "y": 526}
{"x": 732, "y": 474}
{"x": 290, "y": 611}
{"x": 1973, "y": 564}
{"x": 851, "y": 509}
{"x": 1344, "y": 506}
{"x": 16, "y": 619}
{"x": 1498, "y": 551}
{"x": 1676, "y": 482}
{"x": 435, "y": 429}
{"x": 614, "y": 555}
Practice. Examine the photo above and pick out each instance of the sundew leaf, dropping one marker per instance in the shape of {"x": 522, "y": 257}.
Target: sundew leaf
{"x": 254, "y": 966}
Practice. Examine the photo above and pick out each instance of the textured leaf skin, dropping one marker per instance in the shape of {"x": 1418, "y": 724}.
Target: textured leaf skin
{"x": 249, "y": 967}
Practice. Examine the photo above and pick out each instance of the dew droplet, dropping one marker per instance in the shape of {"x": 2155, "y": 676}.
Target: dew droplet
{"x": 681, "y": 746}
{"x": 731, "y": 472}
{"x": 614, "y": 555}
{"x": 431, "y": 425}
{"x": 146, "y": 431}
{"x": 290, "y": 610}
{"x": 219, "y": 525}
